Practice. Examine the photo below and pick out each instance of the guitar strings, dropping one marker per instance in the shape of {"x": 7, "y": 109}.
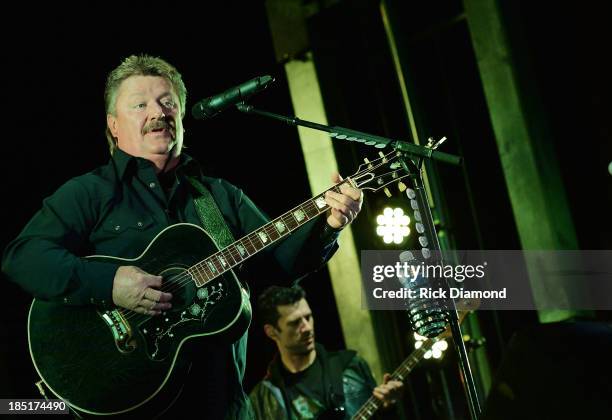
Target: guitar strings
{"x": 179, "y": 281}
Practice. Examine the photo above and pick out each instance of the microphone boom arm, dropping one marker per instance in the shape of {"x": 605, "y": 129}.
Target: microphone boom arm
{"x": 341, "y": 133}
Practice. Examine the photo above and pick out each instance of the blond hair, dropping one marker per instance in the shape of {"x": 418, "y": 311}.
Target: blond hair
{"x": 140, "y": 65}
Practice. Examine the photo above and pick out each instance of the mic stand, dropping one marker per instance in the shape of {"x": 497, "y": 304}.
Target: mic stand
{"x": 407, "y": 149}
{"x": 420, "y": 197}
{"x": 347, "y": 134}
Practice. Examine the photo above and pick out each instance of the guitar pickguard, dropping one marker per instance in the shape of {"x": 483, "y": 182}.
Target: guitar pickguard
{"x": 160, "y": 332}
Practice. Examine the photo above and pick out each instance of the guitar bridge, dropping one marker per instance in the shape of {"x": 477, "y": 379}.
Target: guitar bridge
{"x": 120, "y": 328}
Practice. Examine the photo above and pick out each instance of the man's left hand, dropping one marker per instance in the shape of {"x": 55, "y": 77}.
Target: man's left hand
{"x": 345, "y": 206}
{"x": 389, "y": 391}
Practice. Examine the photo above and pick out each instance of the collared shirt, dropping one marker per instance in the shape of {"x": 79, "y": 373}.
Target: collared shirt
{"x": 116, "y": 210}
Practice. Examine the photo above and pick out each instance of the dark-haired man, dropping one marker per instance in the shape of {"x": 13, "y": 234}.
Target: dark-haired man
{"x": 305, "y": 380}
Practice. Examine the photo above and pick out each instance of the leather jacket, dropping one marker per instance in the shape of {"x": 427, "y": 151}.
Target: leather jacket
{"x": 351, "y": 383}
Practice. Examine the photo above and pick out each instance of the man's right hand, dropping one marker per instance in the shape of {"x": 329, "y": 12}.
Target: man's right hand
{"x": 137, "y": 290}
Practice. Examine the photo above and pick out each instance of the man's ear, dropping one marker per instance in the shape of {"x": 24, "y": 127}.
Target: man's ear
{"x": 271, "y": 332}
{"x": 111, "y": 123}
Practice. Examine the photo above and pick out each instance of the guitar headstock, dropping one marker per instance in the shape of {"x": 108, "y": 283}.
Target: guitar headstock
{"x": 378, "y": 173}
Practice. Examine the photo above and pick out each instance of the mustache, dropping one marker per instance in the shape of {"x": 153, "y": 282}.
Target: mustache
{"x": 157, "y": 125}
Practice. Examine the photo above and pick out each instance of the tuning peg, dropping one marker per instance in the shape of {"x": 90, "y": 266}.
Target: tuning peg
{"x": 434, "y": 144}
{"x": 387, "y": 192}
{"x": 401, "y": 186}
{"x": 382, "y": 155}
{"x": 366, "y": 160}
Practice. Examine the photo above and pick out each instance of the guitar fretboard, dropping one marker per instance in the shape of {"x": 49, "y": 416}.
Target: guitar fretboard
{"x": 371, "y": 406}
{"x": 249, "y": 245}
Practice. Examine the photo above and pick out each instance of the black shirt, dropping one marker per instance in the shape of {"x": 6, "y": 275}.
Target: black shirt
{"x": 116, "y": 210}
{"x": 311, "y": 383}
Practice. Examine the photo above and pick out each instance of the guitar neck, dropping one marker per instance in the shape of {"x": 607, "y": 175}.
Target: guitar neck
{"x": 249, "y": 245}
{"x": 373, "y": 404}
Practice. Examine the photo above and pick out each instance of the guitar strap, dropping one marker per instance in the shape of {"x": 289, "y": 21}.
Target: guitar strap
{"x": 214, "y": 224}
{"x": 210, "y": 215}
{"x": 332, "y": 380}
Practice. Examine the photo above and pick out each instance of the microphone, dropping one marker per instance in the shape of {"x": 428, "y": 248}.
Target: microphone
{"x": 211, "y": 106}
{"x": 428, "y": 317}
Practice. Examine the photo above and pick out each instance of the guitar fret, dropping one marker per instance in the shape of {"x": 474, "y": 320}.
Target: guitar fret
{"x": 299, "y": 215}
{"x": 211, "y": 267}
{"x": 214, "y": 265}
{"x": 239, "y": 251}
{"x": 203, "y": 275}
{"x": 254, "y": 238}
{"x": 272, "y": 232}
{"x": 242, "y": 250}
{"x": 311, "y": 210}
{"x": 289, "y": 221}
{"x": 218, "y": 262}
{"x": 263, "y": 236}
{"x": 223, "y": 260}
{"x": 202, "y": 268}
{"x": 230, "y": 250}
{"x": 281, "y": 227}
{"x": 320, "y": 203}
{"x": 250, "y": 247}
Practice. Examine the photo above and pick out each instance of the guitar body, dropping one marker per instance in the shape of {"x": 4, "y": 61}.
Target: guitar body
{"x": 104, "y": 362}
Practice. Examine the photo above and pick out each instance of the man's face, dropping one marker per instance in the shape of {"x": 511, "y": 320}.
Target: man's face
{"x": 147, "y": 121}
{"x": 295, "y": 331}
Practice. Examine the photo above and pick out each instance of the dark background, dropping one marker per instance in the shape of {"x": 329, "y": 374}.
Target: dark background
{"x": 56, "y": 62}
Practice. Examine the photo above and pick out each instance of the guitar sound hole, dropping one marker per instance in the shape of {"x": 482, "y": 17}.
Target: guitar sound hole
{"x": 180, "y": 285}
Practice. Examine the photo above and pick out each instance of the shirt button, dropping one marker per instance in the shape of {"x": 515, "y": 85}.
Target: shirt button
{"x": 139, "y": 224}
{"x": 152, "y": 185}
{"x": 117, "y": 227}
